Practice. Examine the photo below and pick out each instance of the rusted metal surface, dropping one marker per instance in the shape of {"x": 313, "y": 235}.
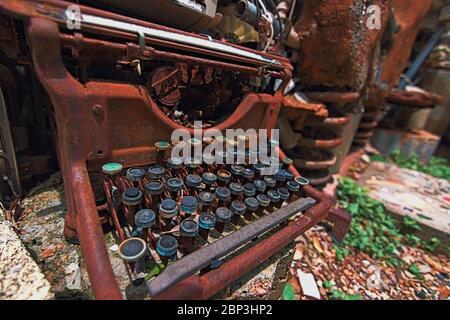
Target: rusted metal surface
{"x": 334, "y": 97}
{"x": 422, "y": 99}
{"x": 335, "y": 46}
{"x": 317, "y": 109}
{"x": 320, "y": 137}
{"x": 338, "y": 56}
{"x": 408, "y": 15}
{"x": 67, "y": 94}
{"x": 398, "y": 46}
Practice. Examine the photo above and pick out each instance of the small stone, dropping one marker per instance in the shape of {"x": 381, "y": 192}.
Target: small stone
{"x": 365, "y": 158}
{"x": 424, "y": 268}
{"x": 298, "y": 255}
{"x": 73, "y": 276}
{"x": 366, "y": 263}
{"x": 48, "y": 252}
{"x": 260, "y": 291}
{"x": 114, "y": 248}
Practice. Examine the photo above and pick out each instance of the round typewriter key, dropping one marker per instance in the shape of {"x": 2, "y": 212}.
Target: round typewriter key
{"x": 260, "y": 186}
{"x": 144, "y": 219}
{"x": 280, "y": 177}
{"x": 302, "y": 182}
{"x": 206, "y": 222}
{"x": 209, "y": 179}
{"x": 289, "y": 175}
{"x": 193, "y": 181}
{"x": 112, "y": 168}
{"x": 270, "y": 182}
{"x": 156, "y": 172}
{"x": 236, "y": 190}
{"x": 238, "y": 209}
{"x": 132, "y": 249}
{"x": 293, "y": 188}
{"x": 161, "y": 148}
{"x": 168, "y": 209}
{"x": 264, "y": 202}
{"x": 284, "y": 194}
{"x": 189, "y": 206}
{"x": 167, "y": 248}
{"x": 206, "y": 200}
{"x": 252, "y": 205}
{"x": 236, "y": 171}
{"x": 154, "y": 189}
{"x": 132, "y": 196}
{"x": 223, "y": 216}
{"x": 223, "y": 195}
{"x": 275, "y": 198}
{"x": 135, "y": 174}
{"x": 162, "y": 145}
{"x": 223, "y": 177}
{"x": 188, "y": 230}
{"x": 192, "y": 164}
{"x": 249, "y": 190}
{"x": 174, "y": 185}
{"x": 258, "y": 167}
{"x": 174, "y": 163}
{"x": 248, "y": 174}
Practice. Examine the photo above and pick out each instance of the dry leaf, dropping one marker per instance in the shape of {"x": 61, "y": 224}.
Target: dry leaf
{"x": 317, "y": 246}
{"x": 436, "y": 265}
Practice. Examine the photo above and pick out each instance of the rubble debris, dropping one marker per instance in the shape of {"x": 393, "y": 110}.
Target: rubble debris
{"x": 21, "y": 277}
{"x": 308, "y": 284}
{"x": 360, "y": 274}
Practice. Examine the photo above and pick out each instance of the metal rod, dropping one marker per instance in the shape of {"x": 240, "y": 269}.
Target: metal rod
{"x": 420, "y": 59}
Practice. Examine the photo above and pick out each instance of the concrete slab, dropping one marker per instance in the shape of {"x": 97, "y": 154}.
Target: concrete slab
{"x": 20, "y": 276}
{"x": 409, "y": 193}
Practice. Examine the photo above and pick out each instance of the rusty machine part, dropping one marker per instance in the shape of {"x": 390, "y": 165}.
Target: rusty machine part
{"x": 335, "y": 80}
{"x": 404, "y": 26}
{"x": 108, "y": 82}
{"x": 315, "y": 153}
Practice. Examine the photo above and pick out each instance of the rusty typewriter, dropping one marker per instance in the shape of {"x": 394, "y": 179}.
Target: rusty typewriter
{"x": 120, "y": 78}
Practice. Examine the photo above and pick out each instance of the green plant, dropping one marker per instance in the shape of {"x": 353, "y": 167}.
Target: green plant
{"x": 341, "y": 252}
{"x": 413, "y": 240}
{"x": 437, "y": 167}
{"x": 372, "y": 230}
{"x": 432, "y": 244}
{"x": 410, "y": 223}
{"x": 339, "y": 295}
{"x": 288, "y": 292}
{"x": 328, "y": 284}
{"x": 415, "y": 271}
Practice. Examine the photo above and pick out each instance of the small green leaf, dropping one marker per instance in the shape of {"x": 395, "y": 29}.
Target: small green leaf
{"x": 328, "y": 284}
{"x": 415, "y": 271}
{"x": 156, "y": 270}
{"x": 339, "y": 295}
{"x": 433, "y": 244}
{"x": 288, "y": 292}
